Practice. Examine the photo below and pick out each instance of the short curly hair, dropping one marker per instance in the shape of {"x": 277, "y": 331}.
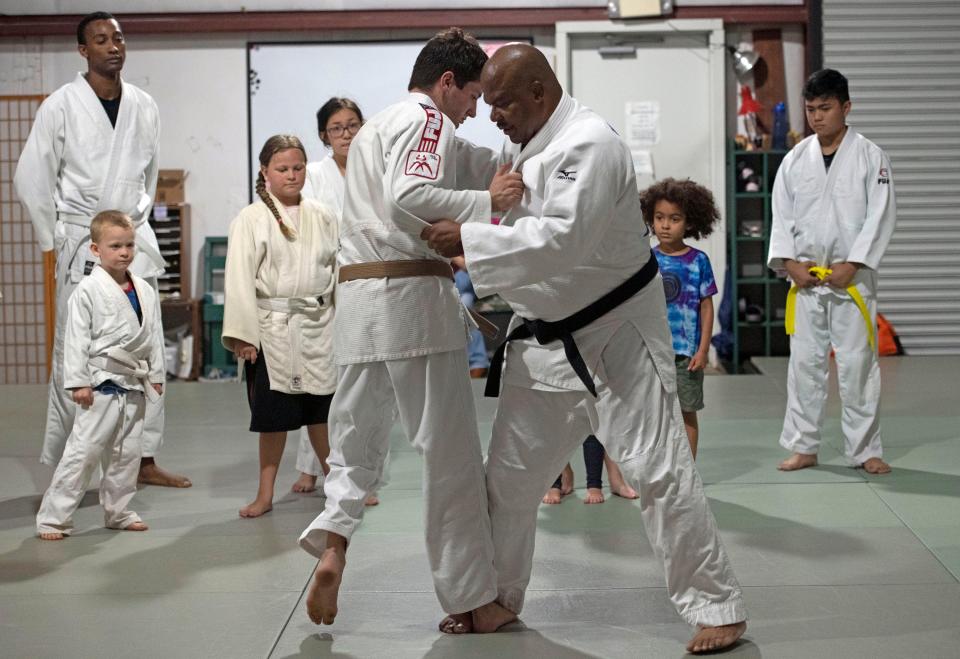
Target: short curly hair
{"x": 694, "y": 200}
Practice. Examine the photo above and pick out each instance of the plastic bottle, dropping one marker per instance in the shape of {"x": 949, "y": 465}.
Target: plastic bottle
{"x": 780, "y": 126}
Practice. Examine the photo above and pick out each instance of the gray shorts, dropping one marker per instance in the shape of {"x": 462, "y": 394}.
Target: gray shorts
{"x": 689, "y": 386}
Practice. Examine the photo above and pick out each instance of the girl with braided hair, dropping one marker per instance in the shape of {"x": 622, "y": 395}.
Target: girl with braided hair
{"x": 278, "y": 311}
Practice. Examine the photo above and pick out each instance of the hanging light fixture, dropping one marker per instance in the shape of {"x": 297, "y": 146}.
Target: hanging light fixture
{"x": 743, "y": 62}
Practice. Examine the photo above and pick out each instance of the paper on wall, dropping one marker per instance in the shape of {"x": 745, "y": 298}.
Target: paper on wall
{"x": 642, "y": 162}
{"x": 643, "y": 124}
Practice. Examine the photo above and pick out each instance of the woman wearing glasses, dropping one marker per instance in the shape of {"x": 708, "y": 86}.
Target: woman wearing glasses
{"x": 338, "y": 121}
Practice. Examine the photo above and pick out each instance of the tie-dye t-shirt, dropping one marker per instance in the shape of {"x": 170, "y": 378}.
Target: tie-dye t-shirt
{"x": 687, "y": 279}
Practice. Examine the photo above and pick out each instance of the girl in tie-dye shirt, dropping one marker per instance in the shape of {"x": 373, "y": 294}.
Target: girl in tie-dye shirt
{"x": 677, "y": 210}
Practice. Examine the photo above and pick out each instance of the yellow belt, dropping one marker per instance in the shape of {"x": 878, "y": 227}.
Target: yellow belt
{"x": 821, "y": 274}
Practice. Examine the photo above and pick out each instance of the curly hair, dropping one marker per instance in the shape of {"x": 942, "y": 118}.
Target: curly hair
{"x": 694, "y": 200}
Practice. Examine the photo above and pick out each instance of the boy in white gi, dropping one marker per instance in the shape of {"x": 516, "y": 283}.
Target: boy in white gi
{"x": 400, "y": 335}
{"x": 574, "y": 254}
{"x": 93, "y": 147}
{"x": 833, "y": 214}
{"x": 113, "y": 358}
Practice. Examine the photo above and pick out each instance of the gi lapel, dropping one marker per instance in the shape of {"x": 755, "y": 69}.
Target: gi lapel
{"x": 121, "y": 133}
{"x": 825, "y": 205}
{"x": 111, "y": 290}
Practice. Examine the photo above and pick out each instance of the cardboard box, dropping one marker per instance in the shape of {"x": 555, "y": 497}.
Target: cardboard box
{"x": 170, "y": 186}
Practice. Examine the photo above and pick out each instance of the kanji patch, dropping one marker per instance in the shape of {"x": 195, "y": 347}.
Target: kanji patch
{"x": 423, "y": 164}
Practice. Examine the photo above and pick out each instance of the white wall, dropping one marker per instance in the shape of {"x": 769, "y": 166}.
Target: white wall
{"x": 200, "y": 86}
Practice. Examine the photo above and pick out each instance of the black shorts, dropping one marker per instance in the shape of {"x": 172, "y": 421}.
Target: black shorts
{"x": 275, "y": 411}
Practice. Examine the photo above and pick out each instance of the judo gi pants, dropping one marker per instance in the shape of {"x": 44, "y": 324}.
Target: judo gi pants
{"x": 60, "y": 406}
{"x": 823, "y": 320}
{"x": 309, "y": 463}
{"x": 108, "y": 434}
{"x": 434, "y": 399}
{"x": 640, "y": 425}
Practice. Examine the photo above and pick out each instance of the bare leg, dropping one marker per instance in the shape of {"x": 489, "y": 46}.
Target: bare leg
{"x": 271, "y": 450}
{"x": 798, "y": 461}
{"x": 692, "y": 427}
{"x": 152, "y": 474}
{"x": 323, "y": 591}
{"x": 876, "y": 466}
{"x": 566, "y": 480}
{"x": 618, "y": 486}
{"x": 711, "y": 639}
{"x": 320, "y": 440}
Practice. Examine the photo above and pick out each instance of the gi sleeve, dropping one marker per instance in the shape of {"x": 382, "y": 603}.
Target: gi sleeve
{"x": 783, "y": 223}
{"x": 37, "y": 170}
{"x": 240, "y": 317}
{"x": 152, "y": 171}
{"x": 76, "y": 341}
{"x": 881, "y": 216}
{"x": 581, "y": 190}
{"x": 158, "y": 367}
{"x": 423, "y": 176}
{"x": 476, "y": 165}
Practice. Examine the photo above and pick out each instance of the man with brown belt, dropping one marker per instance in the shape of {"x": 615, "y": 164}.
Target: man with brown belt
{"x": 400, "y": 336}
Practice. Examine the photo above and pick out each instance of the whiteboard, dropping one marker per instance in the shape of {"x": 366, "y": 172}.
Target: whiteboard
{"x": 288, "y": 82}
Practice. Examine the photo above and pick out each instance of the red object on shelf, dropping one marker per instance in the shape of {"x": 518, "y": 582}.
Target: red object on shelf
{"x": 748, "y": 104}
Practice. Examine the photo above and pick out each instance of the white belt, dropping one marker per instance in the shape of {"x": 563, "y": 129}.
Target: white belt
{"x": 121, "y": 362}
{"x": 293, "y": 304}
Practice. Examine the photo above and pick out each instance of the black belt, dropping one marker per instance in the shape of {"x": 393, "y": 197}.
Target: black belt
{"x": 563, "y": 329}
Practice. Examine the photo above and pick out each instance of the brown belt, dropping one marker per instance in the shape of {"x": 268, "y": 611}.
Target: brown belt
{"x": 422, "y": 268}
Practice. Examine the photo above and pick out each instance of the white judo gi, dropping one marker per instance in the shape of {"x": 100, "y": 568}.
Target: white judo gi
{"x": 324, "y": 183}
{"x": 401, "y": 341}
{"x": 74, "y": 165}
{"x": 279, "y": 293}
{"x": 846, "y": 214}
{"x": 105, "y": 341}
{"x": 576, "y": 235}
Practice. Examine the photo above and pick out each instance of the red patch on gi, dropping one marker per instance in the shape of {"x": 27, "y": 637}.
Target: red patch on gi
{"x": 423, "y": 164}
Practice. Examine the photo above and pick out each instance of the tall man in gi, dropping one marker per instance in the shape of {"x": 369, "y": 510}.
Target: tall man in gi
{"x": 588, "y": 350}
{"x": 400, "y": 336}
{"x": 834, "y": 211}
{"x": 93, "y": 147}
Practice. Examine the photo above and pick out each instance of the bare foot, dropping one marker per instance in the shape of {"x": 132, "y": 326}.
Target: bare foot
{"x": 798, "y": 461}
{"x": 491, "y": 617}
{"x": 594, "y": 495}
{"x": 51, "y": 535}
{"x": 372, "y": 500}
{"x": 624, "y": 491}
{"x": 306, "y": 483}
{"x": 876, "y": 466}
{"x": 457, "y": 623}
{"x": 566, "y": 480}
{"x": 152, "y": 474}
{"x": 711, "y": 639}
{"x": 256, "y": 508}
{"x": 553, "y": 496}
{"x": 322, "y": 595}
{"x": 136, "y": 526}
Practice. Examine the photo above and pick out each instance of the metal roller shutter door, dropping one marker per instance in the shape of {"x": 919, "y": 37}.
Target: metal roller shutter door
{"x": 902, "y": 58}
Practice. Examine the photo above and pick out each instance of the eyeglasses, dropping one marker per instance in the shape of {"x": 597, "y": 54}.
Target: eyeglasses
{"x": 337, "y": 130}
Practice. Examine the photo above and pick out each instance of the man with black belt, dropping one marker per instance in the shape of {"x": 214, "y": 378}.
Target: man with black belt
{"x": 400, "y": 336}
{"x": 589, "y": 349}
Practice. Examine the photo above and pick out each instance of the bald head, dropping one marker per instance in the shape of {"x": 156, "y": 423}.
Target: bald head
{"x": 521, "y": 89}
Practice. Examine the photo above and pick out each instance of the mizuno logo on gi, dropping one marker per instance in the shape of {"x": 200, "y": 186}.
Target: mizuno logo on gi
{"x": 566, "y": 175}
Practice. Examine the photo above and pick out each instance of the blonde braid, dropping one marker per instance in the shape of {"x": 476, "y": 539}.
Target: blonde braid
{"x": 265, "y": 197}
